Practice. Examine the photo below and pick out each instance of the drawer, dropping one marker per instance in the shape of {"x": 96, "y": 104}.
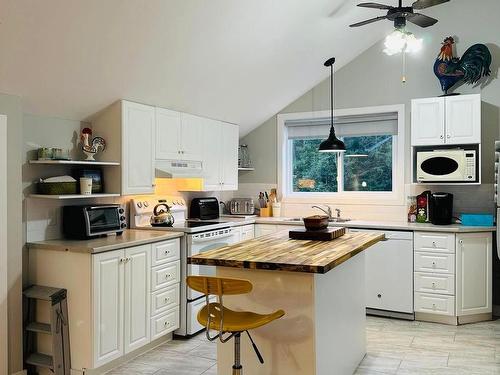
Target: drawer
{"x": 435, "y": 304}
{"x": 165, "y": 299}
{"x": 434, "y": 263}
{"x": 163, "y": 276}
{"x": 165, "y": 323}
{"x": 434, "y": 283}
{"x": 165, "y": 252}
{"x": 434, "y": 242}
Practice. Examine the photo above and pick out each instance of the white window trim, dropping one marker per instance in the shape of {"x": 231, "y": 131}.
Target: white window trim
{"x": 396, "y": 197}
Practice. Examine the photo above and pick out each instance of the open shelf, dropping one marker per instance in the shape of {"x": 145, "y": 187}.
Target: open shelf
{"x": 72, "y": 196}
{"x": 246, "y": 169}
{"x": 73, "y": 162}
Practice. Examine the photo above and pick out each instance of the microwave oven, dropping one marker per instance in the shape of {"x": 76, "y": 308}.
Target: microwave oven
{"x": 86, "y": 222}
{"x": 447, "y": 165}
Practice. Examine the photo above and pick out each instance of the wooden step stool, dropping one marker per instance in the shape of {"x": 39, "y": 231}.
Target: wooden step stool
{"x": 59, "y": 362}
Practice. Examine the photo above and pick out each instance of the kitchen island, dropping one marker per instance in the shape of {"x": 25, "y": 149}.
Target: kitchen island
{"x": 321, "y": 288}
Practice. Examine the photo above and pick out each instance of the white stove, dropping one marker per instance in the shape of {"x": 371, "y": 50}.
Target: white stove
{"x": 200, "y": 236}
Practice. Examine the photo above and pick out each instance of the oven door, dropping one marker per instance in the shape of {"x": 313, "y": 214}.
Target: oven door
{"x": 441, "y": 166}
{"x": 199, "y": 245}
{"x": 102, "y": 219}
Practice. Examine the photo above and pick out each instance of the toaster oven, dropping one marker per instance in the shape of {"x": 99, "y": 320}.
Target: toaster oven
{"x": 86, "y": 222}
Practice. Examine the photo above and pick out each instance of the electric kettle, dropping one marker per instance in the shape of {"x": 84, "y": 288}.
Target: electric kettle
{"x": 162, "y": 216}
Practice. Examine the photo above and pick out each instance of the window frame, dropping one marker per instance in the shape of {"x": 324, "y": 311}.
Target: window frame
{"x": 395, "y": 197}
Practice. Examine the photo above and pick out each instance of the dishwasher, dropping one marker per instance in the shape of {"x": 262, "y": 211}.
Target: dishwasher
{"x": 389, "y": 275}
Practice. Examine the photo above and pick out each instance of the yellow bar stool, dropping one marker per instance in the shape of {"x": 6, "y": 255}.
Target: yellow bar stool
{"x": 228, "y": 322}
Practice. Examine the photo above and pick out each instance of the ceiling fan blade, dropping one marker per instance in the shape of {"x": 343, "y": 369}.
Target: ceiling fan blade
{"x": 371, "y": 20}
{"x": 375, "y": 6}
{"x": 421, "y": 20}
{"x": 423, "y": 4}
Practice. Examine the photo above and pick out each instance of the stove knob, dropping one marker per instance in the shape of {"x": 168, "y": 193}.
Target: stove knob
{"x": 123, "y": 226}
{"x": 146, "y": 204}
{"x": 121, "y": 210}
{"x": 122, "y": 218}
{"x": 139, "y": 204}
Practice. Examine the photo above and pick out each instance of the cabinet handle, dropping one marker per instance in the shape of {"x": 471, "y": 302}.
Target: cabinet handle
{"x": 167, "y": 299}
{"x": 167, "y": 276}
{"x": 379, "y": 295}
{"x": 433, "y": 264}
{"x": 448, "y": 136}
{"x": 433, "y": 285}
{"x": 167, "y": 324}
{"x": 441, "y": 136}
{"x": 433, "y": 244}
{"x": 434, "y": 306}
{"x": 122, "y": 260}
{"x": 167, "y": 252}
{"x": 461, "y": 242}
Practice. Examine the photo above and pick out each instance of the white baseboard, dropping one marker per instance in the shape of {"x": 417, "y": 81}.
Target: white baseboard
{"x": 23, "y": 372}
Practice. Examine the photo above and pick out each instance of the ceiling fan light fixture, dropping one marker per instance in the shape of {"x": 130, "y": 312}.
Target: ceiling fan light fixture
{"x": 402, "y": 41}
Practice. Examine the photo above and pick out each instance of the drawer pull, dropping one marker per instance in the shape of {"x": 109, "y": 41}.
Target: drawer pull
{"x": 167, "y": 276}
{"x": 433, "y": 264}
{"x": 434, "y": 306}
{"x": 379, "y": 295}
{"x": 167, "y": 252}
{"x": 167, "y": 299}
{"x": 433, "y": 285}
{"x": 167, "y": 323}
{"x": 433, "y": 243}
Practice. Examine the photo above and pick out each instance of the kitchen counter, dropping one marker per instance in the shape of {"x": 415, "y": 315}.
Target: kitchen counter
{"x": 278, "y": 252}
{"x": 384, "y": 225}
{"x": 129, "y": 238}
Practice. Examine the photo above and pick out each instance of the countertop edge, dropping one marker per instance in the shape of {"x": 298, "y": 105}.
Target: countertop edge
{"x": 89, "y": 249}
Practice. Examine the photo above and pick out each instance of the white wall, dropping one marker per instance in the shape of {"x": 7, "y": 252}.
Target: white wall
{"x": 11, "y": 106}
{"x": 374, "y": 79}
{"x": 4, "y": 354}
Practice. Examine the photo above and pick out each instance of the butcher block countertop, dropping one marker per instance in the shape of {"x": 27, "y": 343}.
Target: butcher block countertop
{"x": 278, "y": 252}
{"x": 129, "y": 238}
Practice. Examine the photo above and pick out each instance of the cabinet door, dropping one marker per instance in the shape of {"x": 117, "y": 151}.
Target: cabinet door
{"x": 427, "y": 121}
{"x": 229, "y": 147}
{"x": 191, "y": 137}
{"x": 108, "y": 292}
{"x": 389, "y": 276}
{"x": 168, "y": 134}
{"x": 474, "y": 273}
{"x": 138, "y": 123}
{"x": 212, "y": 154}
{"x": 137, "y": 297}
{"x": 236, "y": 235}
{"x": 247, "y": 233}
{"x": 463, "y": 119}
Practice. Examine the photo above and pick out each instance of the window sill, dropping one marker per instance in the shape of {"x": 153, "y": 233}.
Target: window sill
{"x": 351, "y": 198}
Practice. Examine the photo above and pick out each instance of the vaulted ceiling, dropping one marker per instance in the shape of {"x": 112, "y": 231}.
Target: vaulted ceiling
{"x": 236, "y": 60}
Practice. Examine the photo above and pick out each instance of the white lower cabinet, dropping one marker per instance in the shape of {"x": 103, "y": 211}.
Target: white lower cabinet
{"x": 132, "y": 299}
{"x": 474, "y": 273}
{"x": 242, "y": 233}
{"x": 265, "y": 229}
{"x": 453, "y": 275}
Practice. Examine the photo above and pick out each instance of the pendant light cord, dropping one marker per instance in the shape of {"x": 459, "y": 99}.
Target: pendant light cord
{"x": 332, "y": 129}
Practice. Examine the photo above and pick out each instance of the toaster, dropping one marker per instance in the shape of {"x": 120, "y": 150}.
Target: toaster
{"x": 204, "y": 208}
{"x": 242, "y": 206}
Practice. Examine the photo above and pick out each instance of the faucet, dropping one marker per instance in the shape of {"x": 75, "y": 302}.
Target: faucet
{"x": 338, "y": 213}
{"x": 328, "y": 211}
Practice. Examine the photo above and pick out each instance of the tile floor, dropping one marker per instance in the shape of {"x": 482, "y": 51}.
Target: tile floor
{"x": 393, "y": 346}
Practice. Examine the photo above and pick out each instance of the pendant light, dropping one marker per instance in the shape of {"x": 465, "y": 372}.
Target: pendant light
{"x": 332, "y": 144}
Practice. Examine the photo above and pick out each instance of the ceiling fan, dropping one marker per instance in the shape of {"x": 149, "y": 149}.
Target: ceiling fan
{"x": 400, "y": 14}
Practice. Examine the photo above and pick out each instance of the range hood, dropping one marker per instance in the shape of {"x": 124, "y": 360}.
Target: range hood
{"x": 178, "y": 169}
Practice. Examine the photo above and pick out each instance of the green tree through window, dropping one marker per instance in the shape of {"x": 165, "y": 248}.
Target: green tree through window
{"x": 367, "y": 165}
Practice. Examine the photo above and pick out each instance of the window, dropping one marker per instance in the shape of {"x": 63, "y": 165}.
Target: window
{"x": 369, "y": 166}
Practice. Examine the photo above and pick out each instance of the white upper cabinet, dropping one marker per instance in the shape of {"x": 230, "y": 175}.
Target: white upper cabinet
{"x": 463, "y": 119}
{"x": 229, "y": 161}
{"x": 427, "y": 119}
{"x": 446, "y": 120}
{"x": 129, "y": 130}
{"x": 168, "y": 134}
{"x": 178, "y": 136}
{"x": 220, "y": 156}
{"x": 138, "y": 124}
{"x": 191, "y": 137}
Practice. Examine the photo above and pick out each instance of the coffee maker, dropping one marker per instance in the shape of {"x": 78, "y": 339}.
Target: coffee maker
{"x": 441, "y": 208}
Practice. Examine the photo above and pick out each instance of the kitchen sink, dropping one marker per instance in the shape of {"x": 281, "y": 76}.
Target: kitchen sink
{"x": 338, "y": 220}
{"x": 295, "y": 219}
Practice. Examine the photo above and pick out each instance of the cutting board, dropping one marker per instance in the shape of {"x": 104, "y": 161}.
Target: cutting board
{"x": 327, "y": 234}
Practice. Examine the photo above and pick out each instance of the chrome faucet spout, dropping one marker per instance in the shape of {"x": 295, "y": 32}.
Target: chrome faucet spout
{"x": 328, "y": 211}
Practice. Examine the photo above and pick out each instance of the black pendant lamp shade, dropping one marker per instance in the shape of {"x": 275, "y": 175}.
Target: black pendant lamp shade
{"x": 332, "y": 144}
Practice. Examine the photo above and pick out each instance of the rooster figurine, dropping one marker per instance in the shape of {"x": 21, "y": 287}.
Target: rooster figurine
{"x": 474, "y": 64}
{"x": 91, "y": 146}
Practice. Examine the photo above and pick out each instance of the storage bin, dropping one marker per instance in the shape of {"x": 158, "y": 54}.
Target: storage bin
{"x": 477, "y": 220}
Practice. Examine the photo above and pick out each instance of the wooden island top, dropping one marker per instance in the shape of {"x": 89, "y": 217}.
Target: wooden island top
{"x": 278, "y": 252}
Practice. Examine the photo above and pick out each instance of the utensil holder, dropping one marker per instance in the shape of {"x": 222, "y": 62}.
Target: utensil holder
{"x": 265, "y": 212}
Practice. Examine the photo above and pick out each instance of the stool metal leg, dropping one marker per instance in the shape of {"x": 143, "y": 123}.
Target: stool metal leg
{"x": 237, "y": 368}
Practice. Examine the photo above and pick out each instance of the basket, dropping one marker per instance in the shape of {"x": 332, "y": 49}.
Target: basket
{"x": 57, "y": 188}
